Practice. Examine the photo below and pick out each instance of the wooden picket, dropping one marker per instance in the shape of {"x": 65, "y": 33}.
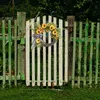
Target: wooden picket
{"x": 97, "y": 52}
{"x": 49, "y": 56}
{"x": 66, "y": 53}
{"x": 85, "y": 53}
{"x": 74, "y": 56}
{"x": 44, "y": 55}
{"x": 27, "y": 53}
{"x": 9, "y": 50}
{"x": 60, "y": 55}
{"x": 55, "y": 57}
{"x": 80, "y": 47}
{"x": 15, "y": 49}
{"x": 38, "y": 60}
{"x": 91, "y": 53}
{"x": 33, "y": 56}
{"x": 4, "y": 55}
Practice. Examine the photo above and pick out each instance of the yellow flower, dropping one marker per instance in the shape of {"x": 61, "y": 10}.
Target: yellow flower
{"x": 54, "y": 32}
{"x": 44, "y": 25}
{"x": 38, "y": 31}
{"x": 37, "y": 40}
{"x": 52, "y": 27}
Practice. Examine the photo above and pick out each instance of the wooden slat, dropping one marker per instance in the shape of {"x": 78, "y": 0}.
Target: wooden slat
{"x": 9, "y": 50}
{"x": 91, "y": 54}
{"x": 44, "y": 55}
{"x": 15, "y": 51}
{"x": 27, "y": 53}
{"x": 4, "y": 53}
{"x": 60, "y": 55}
{"x": 12, "y": 78}
{"x": 33, "y": 53}
{"x": 38, "y": 60}
{"x": 97, "y": 53}
{"x": 79, "y": 56}
{"x": 66, "y": 53}
{"x": 83, "y": 39}
{"x": 49, "y": 55}
{"x": 74, "y": 56}
{"x": 6, "y": 37}
{"x": 85, "y": 52}
{"x": 55, "y": 57}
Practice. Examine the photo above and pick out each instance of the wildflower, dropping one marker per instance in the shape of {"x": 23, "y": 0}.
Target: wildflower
{"x": 41, "y": 30}
{"x": 44, "y": 25}
{"x": 47, "y": 30}
{"x": 38, "y": 31}
{"x": 54, "y": 32}
{"x": 57, "y": 35}
{"x": 38, "y": 40}
{"x": 52, "y": 27}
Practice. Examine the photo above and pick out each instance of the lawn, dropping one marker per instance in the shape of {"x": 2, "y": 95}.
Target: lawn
{"x": 27, "y": 93}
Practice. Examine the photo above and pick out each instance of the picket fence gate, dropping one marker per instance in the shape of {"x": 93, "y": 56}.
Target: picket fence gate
{"x": 51, "y": 67}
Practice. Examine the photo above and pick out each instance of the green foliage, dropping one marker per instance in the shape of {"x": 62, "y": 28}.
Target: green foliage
{"x": 79, "y": 4}
{"x": 82, "y": 10}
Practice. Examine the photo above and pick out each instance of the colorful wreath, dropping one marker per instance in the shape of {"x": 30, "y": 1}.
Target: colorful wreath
{"x": 49, "y": 28}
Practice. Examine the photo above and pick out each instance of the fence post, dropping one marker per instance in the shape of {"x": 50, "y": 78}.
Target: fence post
{"x": 21, "y": 22}
{"x": 70, "y": 20}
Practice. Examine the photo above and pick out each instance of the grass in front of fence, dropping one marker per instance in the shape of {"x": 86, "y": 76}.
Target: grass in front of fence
{"x": 24, "y": 93}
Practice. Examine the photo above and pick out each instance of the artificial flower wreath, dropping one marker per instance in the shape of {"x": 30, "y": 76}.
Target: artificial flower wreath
{"x": 49, "y": 28}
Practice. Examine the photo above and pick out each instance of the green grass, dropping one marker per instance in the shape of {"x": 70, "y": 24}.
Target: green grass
{"x": 27, "y": 93}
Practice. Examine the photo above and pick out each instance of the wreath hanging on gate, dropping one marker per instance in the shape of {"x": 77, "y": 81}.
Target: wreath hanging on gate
{"x": 48, "y": 29}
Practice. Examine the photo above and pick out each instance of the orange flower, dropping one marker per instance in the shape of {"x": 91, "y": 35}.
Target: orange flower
{"x": 47, "y": 30}
{"x": 37, "y": 40}
{"x": 44, "y": 25}
{"x": 41, "y": 30}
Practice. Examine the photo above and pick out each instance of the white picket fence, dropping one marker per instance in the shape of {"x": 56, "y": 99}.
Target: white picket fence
{"x": 47, "y": 64}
